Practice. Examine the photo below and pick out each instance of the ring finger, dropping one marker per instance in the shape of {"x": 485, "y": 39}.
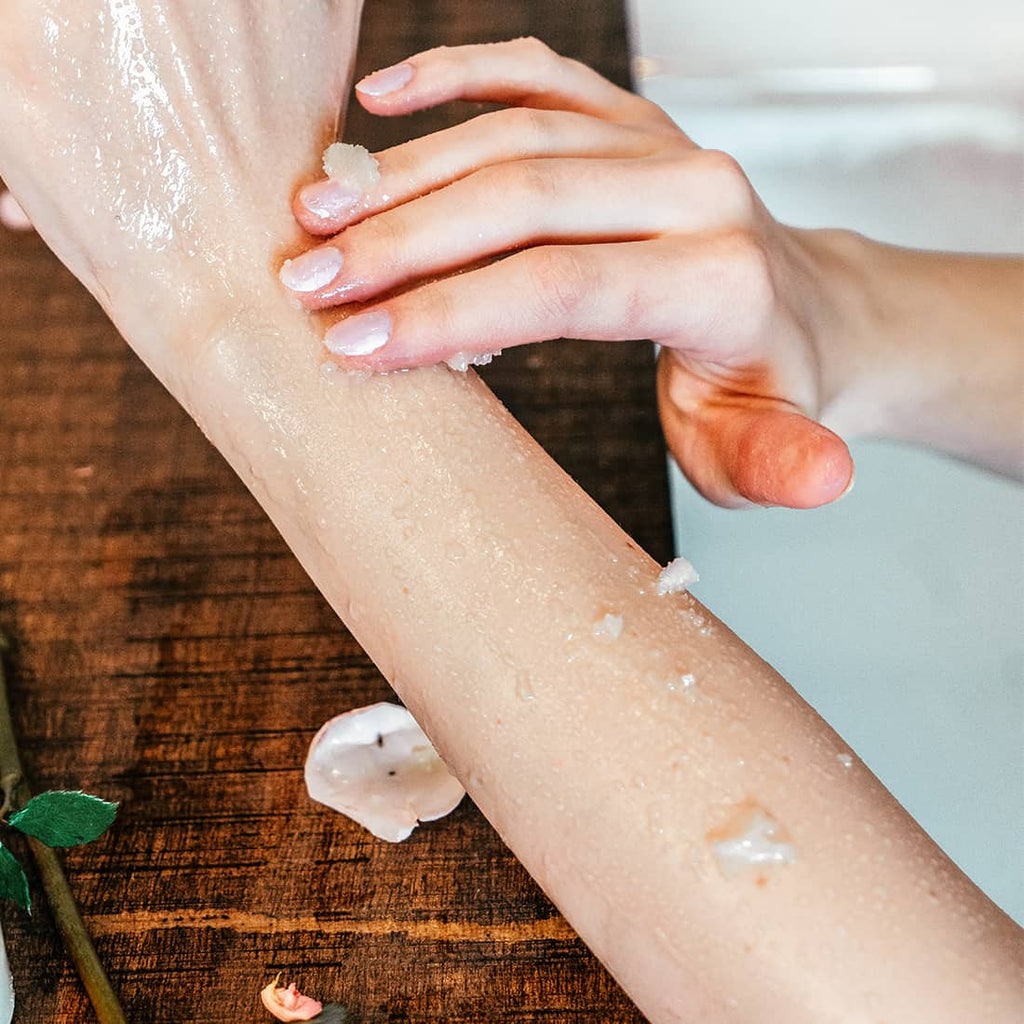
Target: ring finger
{"x": 579, "y": 291}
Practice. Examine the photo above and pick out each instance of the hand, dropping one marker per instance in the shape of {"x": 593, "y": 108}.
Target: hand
{"x": 582, "y": 210}
{"x": 170, "y": 120}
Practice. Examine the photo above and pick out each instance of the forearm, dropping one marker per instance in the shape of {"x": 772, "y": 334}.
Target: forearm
{"x": 474, "y": 571}
{"x": 927, "y": 347}
{"x": 470, "y": 567}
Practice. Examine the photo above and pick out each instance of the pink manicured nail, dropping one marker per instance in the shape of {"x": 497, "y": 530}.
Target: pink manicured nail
{"x": 386, "y": 81}
{"x": 328, "y": 199}
{"x": 312, "y": 270}
{"x": 359, "y": 335}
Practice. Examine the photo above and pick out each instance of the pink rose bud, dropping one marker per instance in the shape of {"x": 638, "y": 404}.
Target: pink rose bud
{"x": 289, "y": 1003}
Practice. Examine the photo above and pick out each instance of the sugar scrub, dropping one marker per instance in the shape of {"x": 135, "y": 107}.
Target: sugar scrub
{"x": 753, "y": 839}
{"x": 461, "y": 361}
{"x": 608, "y": 627}
{"x": 354, "y": 165}
{"x": 677, "y": 577}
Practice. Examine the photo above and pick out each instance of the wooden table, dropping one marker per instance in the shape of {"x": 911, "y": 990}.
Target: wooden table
{"x": 170, "y": 653}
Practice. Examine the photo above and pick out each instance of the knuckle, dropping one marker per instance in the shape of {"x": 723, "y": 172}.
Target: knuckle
{"x": 729, "y": 182}
{"x": 384, "y": 233}
{"x": 381, "y": 241}
{"x": 723, "y": 166}
{"x": 446, "y": 62}
{"x": 526, "y": 183}
{"x": 441, "y": 310}
{"x": 562, "y": 282}
{"x": 534, "y": 48}
{"x": 529, "y": 127}
{"x": 440, "y": 53}
{"x": 433, "y": 313}
{"x": 747, "y": 272}
{"x": 536, "y": 180}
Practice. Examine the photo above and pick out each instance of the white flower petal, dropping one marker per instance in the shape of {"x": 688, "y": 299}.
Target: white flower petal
{"x": 376, "y": 766}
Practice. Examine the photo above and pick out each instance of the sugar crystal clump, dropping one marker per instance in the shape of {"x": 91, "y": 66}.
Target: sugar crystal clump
{"x": 677, "y": 577}
{"x": 758, "y": 843}
{"x": 354, "y": 165}
{"x": 462, "y": 361}
{"x": 609, "y": 626}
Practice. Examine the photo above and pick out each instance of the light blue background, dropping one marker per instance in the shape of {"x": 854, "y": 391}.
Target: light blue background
{"x": 899, "y": 612}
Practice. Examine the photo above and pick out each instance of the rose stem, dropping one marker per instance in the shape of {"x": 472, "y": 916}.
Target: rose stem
{"x": 55, "y": 884}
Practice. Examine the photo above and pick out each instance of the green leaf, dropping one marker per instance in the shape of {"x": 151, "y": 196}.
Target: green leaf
{"x": 13, "y": 883}
{"x": 63, "y": 818}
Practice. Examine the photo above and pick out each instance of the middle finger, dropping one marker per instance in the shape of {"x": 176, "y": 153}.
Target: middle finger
{"x": 502, "y": 208}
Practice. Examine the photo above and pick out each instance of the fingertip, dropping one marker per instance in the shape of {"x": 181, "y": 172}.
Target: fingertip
{"x": 386, "y": 82}
{"x": 311, "y": 223}
{"x": 372, "y": 340}
{"x": 325, "y": 207}
{"x": 374, "y": 105}
{"x": 311, "y": 271}
{"x": 792, "y": 462}
{"x": 824, "y": 470}
{"x": 359, "y": 334}
{"x": 369, "y": 339}
{"x": 836, "y": 472}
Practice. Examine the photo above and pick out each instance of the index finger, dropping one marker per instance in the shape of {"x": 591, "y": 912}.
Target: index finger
{"x": 521, "y": 72}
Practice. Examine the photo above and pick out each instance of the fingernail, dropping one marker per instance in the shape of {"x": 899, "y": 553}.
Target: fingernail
{"x": 386, "y": 81}
{"x": 359, "y": 335}
{"x": 312, "y": 270}
{"x": 328, "y": 199}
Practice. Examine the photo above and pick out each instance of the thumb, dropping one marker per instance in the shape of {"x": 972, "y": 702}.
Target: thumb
{"x": 737, "y": 449}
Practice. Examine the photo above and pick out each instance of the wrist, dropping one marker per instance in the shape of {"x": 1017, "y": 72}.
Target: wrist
{"x": 847, "y": 327}
{"x": 164, "y": 326}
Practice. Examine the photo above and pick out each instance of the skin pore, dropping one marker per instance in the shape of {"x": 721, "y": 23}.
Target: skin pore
{"x": 470, "y": 567}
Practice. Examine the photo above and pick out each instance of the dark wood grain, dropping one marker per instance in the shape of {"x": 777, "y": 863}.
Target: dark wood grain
{"x": 170, "y": 653}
